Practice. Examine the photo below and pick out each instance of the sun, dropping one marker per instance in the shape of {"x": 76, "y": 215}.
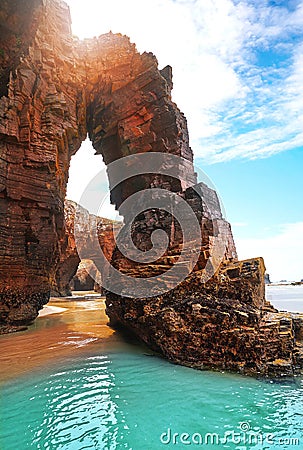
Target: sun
{"x": 94, "y": 17}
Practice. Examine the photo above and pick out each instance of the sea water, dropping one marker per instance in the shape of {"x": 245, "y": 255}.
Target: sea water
{"x": 118, "y": 395}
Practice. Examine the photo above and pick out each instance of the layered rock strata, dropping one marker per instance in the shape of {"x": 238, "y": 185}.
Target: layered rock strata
{"x": 57, "y": 89}
{"x": 224, "y": 323}
{"x": 85, "y": 244}
{"x": 54, "y": 90}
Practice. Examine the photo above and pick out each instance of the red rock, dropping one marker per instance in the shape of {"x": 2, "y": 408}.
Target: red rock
{"x": 70, "y": 248}
{"x": 87, "y": 278}
{"x": 55, "y": 89}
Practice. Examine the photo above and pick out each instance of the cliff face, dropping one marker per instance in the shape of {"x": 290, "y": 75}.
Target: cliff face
{"x": 55, "y": 89}
{"x": 18, "y": 23}
{"x": 42, "y": 122}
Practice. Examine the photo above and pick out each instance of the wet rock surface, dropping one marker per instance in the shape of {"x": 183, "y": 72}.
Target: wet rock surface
{"x": 224, "y": 323}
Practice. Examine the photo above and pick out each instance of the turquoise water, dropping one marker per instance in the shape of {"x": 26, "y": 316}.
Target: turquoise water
{"x": 71, "y": 383}
{"x": 129, "y": 400}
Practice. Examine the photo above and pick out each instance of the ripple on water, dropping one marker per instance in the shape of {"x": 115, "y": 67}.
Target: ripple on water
{"x": 98, "y": 392}
{"x": 127, "y": 400}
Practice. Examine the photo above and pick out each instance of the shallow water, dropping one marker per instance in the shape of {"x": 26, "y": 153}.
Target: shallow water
{"x": 288, "y": 298}
{"x": 81, "y": 326}
{"x": 72, "y": 383}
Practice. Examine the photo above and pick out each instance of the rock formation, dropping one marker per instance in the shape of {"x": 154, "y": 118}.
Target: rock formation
{"x": 69, "y": 260}
{"x": 87, "y": 278}
{"x": 267, "y": 278}
{"x": 222, "y": 324}
{"x": 55, "y": 89}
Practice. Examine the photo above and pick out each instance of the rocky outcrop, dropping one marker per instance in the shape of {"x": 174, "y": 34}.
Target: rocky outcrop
{"x": 42, "y": 123}
{"x": 212, "y": 245}
{"x": 51, "y": 94}
{"x": 85, "y": 244}
{"x": 191, "y": 299}
{"x": 55, "y": 89}
{"x": 224, "y": 323}
{"x": 87, "y": 278}
{"x": 267, "y": 278}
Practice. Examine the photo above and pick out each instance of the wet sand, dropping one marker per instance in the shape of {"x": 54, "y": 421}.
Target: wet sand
{"x": 63, "y": 328}
{"x": 71, "y": 327}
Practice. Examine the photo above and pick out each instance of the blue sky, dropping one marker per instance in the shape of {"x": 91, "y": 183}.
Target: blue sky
{"x": 262, "y": 194}
{"x": 238, "y": 77}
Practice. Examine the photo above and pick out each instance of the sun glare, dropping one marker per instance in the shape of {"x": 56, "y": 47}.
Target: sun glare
{"x": 87, "y": 19}
{"x": 166, "y": 40}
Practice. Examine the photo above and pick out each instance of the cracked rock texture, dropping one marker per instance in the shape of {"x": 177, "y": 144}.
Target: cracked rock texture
{"x": 224, "y": 323}
{"x": 54, "y": 89}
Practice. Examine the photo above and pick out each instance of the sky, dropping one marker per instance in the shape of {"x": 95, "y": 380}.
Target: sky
{"x": 238, "y": 77}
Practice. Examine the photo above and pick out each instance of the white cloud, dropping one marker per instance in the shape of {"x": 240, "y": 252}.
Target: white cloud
{"x": 282, "y": 252}
{"x": 234, "y": 108}
{"x": 271, "y": 115}
{"x": 293, "y": 85}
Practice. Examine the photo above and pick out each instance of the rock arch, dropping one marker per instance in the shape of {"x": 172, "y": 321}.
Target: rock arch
{"x": 58, "y": 89}
{"x": 55, "y": 89}
{"x": 69, "y": 260}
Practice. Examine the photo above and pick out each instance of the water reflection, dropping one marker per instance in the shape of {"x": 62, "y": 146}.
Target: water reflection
{"x": 81, "y": 326}
{"x": 79, "y": 409}
{"x": 82, "y": 386}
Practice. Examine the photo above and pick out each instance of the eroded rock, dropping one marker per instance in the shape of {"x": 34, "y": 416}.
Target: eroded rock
{"x": 93, "y": 233}
{"x": 87, "y": 278}
{"x": 224, "y": 323}
{"x": 56, "y": 88}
